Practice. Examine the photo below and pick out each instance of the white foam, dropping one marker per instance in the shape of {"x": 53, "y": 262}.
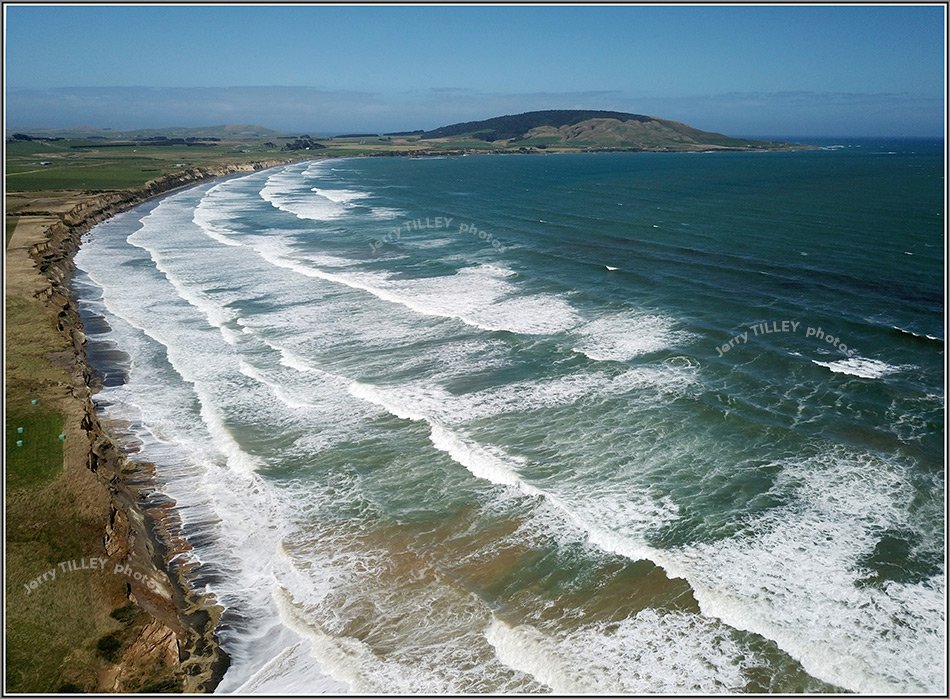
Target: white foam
{"x": 622, "y": 338}
{"x": 283, "y": 191}
{"x": 793, "y": 575}
{"x": 279, "y": 392}
{"x": 292, "y": 671}
{"x": 215, "y": 210}
{"x": 487, "y": 297}
{"x": 430, "y": 401}
{"x": 478, "y": 296}
{"x": 320, "y": 168}
{"x": 373, "y": 395}
{"x": 486, "y": 462}
{"x": 913, "y": 334}
{"x": 650, "y": 653}
{"x": 386, "y": 213}
{"x": 215, "y": 314}
{"x": 859, "y": 366}
{"x": 339, "y": 196}
{"x": 288, "y": 190}
{"x": 211, "y": 227}
{"x": 291, "y": 360}
{"x": 188, "y": 364}
{"x": 765, "y": 578}
{"x": 652, "y": 383}
{"x": 492, "y": 464}
{"x": 413, "y": 633}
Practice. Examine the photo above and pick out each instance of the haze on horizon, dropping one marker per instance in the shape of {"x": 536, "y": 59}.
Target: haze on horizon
{"x": 745, "y": 71}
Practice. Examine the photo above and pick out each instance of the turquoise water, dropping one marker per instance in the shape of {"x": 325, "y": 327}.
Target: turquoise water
{"x": 585, "y": 423}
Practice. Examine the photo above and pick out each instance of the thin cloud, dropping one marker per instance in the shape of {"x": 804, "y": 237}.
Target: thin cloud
{"x": 318, "y": 110}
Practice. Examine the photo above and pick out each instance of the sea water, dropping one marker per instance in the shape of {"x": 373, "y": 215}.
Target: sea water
{"x": 631, "y": 422}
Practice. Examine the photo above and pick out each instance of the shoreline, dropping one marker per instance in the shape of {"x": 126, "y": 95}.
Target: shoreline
{"x": 562, "y": 150}
{"x": 140, "y": 529}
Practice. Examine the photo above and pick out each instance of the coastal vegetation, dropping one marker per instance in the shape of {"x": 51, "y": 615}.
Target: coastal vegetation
{"x": 100, "y": 164}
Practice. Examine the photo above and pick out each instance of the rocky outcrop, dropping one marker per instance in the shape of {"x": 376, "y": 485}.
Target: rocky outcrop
{"x": 155, "y": 645}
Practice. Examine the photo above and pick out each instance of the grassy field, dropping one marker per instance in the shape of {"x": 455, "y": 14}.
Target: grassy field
{"x": 99, "y": 165}
{"x": 84, "y": 164}
{"x": 38, "y": 458}
{"x": 10, "y": 227}
{"x": 52, "y": 515}
{"x": 52, "y": 630}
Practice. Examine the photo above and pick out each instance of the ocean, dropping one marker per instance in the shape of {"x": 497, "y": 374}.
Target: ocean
{"x": 606, "y": 422}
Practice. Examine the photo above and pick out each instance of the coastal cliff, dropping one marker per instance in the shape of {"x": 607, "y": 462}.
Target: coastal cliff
{"x": 161, "y": 631}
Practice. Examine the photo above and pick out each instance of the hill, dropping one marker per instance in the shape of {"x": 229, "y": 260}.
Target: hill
{"x": 592, "y": 129}
{"x": 553, "y": 129}
{"x": 224, "y": 131}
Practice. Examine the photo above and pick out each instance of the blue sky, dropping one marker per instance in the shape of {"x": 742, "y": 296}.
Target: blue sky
{"x": 797, "y": 70}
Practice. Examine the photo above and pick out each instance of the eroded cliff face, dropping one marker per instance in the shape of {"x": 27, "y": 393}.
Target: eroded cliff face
{"x": 174, "y": 635}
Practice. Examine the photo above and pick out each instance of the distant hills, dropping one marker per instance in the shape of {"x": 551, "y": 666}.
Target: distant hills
{"x": 552, "y": 129}
{"x": 592, "y": 129}
{"x": 224, "y": 131}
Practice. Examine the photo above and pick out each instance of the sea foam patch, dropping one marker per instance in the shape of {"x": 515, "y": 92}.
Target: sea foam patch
{"x": 650, "y": 653}
{"x": 220, "y": 207}
{"x": 861, "y": 367}
{"x": 339, "y": 196}
{"x": 624, "y": 337}
{"x": 795, "y": 576}
{"x": 478, "y": 296}
{"x": 288, "y": 191}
